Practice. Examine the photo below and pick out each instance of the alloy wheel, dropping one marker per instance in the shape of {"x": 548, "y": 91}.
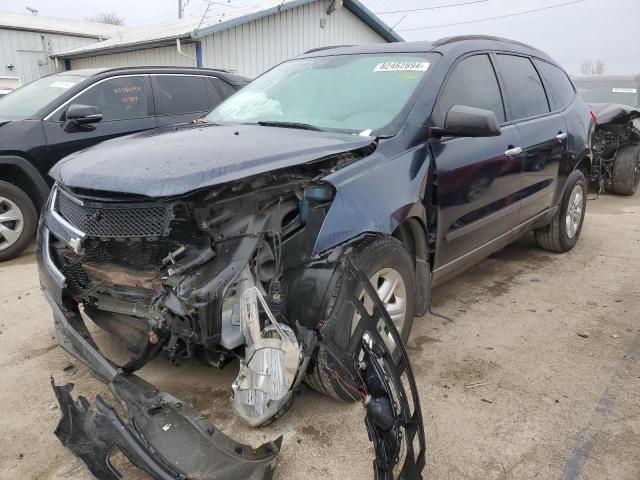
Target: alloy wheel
{"x": 11, "y": 223}
{"x": 574, "y": 211}
{"x": 392, "y": 290}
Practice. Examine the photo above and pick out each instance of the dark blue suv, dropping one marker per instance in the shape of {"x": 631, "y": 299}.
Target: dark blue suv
{"x": 411, "y": 161}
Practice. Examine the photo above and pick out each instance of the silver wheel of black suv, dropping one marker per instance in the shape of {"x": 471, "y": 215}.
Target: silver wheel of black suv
{"x": 18, "y": 219}
{"x": 386, "y": 263}
{"x": 563, "y": 232}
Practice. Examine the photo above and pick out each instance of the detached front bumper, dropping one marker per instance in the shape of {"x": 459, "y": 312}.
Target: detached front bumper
{"x": 163, "y": 436}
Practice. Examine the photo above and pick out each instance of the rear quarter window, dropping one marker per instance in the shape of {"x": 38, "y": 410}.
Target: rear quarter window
{"x": 523, "y": 87}
{"x": 559, "y": 86}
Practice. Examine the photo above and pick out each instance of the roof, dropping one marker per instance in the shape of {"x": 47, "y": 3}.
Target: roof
{"x": 449, "y": 45}
{"x": 63, "y": 26}
{"x": 218, "y": 18}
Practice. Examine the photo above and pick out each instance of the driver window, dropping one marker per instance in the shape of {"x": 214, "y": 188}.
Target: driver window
{"x": 472, "y": 83}
{"x": 120, "y": 98}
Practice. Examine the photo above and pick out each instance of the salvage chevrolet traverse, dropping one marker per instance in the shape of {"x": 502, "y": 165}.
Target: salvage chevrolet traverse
{"x": 235, "y": 238}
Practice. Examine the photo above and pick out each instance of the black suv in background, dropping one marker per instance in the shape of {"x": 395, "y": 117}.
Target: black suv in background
{"x": 65, "y": 112}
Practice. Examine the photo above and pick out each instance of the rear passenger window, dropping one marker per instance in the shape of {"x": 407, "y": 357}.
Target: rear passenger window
{"x": 558, "y": 84}
{"x": 472, "y": 83}
{"x": 121, "y": 98}
{"x": 523, "y": 87}
{"x": 180, "y": 94}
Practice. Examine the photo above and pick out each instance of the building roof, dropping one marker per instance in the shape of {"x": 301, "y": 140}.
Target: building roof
{"x": 63, "y": 26}
{"x": 217, "y": 19}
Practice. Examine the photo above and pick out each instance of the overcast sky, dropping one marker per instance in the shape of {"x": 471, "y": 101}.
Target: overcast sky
{"x": 607, "y": 30}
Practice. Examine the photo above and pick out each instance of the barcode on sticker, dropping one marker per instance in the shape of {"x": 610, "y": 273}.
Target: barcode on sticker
{"x": 402, "y": 67}
{"x": 624, "y": 90}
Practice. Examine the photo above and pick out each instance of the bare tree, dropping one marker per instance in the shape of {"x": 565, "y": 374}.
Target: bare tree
{"x": 110, "y": 18}
{"x": 590, "y": 67}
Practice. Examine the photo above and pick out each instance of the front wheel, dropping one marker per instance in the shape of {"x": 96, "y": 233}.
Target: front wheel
{"x": 386, "y": 263}
{"x": 18, "y": 218}
{"x": 562, "y": 233}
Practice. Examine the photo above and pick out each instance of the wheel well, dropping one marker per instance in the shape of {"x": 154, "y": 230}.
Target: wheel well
{"x": 412, "y": 235}
{"x": 585, "y": 166}
{"x": 18, "y": 177}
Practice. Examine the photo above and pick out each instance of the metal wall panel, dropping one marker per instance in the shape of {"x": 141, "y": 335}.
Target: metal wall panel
{"x": 161, "y": 56}
{"x": 23, "y": 50}
{"x": 254, "y": 47}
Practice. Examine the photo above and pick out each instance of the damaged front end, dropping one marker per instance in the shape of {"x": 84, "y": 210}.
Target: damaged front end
{"x": 217, "y": 274}
{"x": 617, "y": 129}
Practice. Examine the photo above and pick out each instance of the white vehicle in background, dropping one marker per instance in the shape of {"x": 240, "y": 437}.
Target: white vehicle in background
{"x": 617, "y": 89}
{"x": 9, "y": 84}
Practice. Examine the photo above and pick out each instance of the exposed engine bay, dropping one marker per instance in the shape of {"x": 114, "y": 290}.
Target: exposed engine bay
{"x": 216, "y": 275}
{"x": 617, "y": 127}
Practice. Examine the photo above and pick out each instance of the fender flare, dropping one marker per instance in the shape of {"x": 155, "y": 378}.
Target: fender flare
{"x": 37, "y": 181}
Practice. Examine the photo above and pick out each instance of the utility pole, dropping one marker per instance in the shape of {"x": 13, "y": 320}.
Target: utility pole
{"x": 180, "y": 9}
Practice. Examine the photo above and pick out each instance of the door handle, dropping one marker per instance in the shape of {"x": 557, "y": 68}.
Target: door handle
{"x": 512, "y": 152}
{"x": 561, "y": 137}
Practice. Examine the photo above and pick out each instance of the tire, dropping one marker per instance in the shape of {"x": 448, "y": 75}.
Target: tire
{"x": 18, "y": 226}
{"x": 559, "y": 236}
{"x": 382, "y": 254}
{"x": 626, "y": 170}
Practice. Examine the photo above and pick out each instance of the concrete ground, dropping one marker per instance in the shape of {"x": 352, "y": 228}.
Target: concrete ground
{"x": 537, "y": 376}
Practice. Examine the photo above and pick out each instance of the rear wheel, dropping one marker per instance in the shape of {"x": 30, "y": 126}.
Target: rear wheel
{"x": 18, "y": 218}
{"x": 386, "y": 263}
{"x": 626, "y": 170}
{"x": 562, "y": 233}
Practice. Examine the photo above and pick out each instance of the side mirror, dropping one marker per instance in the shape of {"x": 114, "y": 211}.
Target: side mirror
{"x": 83, "y": 114}
{"x": 463, "y": 121}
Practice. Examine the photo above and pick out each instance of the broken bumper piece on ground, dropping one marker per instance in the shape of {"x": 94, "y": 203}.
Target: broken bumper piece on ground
{"x": 164, "y": 436}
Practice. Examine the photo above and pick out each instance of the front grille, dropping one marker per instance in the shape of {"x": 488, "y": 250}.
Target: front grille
{"x": 138, "y": 255}
{"x": 117, "y": 220}
{"x": 77, "y": 280}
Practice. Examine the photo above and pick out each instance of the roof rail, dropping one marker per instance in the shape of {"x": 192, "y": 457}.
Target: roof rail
{"x": 461, "y": 38}
{"x": 168, "y": 67}
{"x": 319, "y": 49}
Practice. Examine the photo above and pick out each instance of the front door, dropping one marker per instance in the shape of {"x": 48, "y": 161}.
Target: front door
{"x": 478, "y": 179}
{"x": 126, "y": 105}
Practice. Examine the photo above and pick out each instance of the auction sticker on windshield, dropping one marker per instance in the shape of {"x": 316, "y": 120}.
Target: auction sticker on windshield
{"x": 402, "y": 67}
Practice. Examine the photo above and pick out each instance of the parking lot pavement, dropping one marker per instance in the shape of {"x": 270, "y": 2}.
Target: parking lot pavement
{"x": 537, "y": 375}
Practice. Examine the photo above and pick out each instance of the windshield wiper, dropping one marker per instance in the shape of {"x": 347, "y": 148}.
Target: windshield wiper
{"x": 303, "y": 126}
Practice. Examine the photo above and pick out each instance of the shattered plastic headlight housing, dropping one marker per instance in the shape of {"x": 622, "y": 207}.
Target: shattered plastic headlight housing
{"x": 270, "y": 370}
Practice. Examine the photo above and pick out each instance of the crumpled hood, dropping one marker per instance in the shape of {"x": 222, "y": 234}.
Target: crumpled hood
{"x": 614, "y": 113}
{"x": 177, "y": 160}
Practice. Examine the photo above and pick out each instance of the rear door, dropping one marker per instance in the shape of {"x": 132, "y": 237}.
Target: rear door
{"x": 543, "y": 133}
{"x": 478, "y": 178}
{"x": 126, "y": 106}
{"x": 181, "y": 98}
